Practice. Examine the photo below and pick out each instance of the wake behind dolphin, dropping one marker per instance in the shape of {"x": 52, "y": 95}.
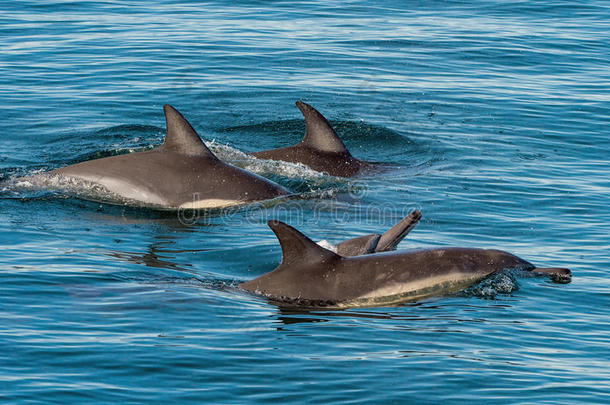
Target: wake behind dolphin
{"x": 182, "y": 173}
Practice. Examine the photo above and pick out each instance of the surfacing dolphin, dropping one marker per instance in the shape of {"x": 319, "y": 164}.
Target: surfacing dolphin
{"x": 182, "y": 173}
{"x": 312, "y": 276}
{"x": 321, "y": 148}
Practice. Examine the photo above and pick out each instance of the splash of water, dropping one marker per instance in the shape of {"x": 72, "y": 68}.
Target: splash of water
{"x": 504, "y": 282}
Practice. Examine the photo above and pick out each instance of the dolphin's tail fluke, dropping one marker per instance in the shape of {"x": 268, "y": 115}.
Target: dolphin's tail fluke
{"x": 393, "y": 236}
{"x": 557, "y": 274}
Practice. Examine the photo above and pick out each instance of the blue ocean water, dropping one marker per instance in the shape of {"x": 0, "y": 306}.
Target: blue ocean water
{"x": 493, "y": 115}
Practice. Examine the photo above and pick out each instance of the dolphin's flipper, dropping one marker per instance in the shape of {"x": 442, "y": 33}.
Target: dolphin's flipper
{"x": 556, "y": 274}
{"x": 181, "y": 137}
{"x": 392, "y": 237}
{"x": 319, "y": 135}
{"x": 298, "y": 248}
{"x": 358, "y": 246}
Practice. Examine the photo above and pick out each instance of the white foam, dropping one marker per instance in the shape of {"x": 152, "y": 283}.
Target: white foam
{"x": 69, "y": 185}
{"x": 499, "y": 283}
{"x": 263, "y": 166}
{"x": 327, "y": 245}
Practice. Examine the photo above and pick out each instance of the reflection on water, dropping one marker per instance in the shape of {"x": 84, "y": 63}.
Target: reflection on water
{"x": 156, "y": 256}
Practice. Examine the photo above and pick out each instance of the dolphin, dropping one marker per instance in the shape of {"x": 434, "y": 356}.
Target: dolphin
{"x": 182, "y": 173}
{"x": 376, "y": 243}
{"x": 321, "y": 149}
{"x": 312, "y": 276}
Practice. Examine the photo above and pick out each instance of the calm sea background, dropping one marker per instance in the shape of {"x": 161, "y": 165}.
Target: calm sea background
{"x": 493, "y": 114}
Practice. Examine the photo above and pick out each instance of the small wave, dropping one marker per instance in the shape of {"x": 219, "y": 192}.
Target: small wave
{"x": 38, "y": 181}
{"x": 270, "y": 127}
{"x": 120, "y": 131}
{"x": 500, "y": 283}
{"x": 357, "y": 130}
{"x": 105, "y": 142}
{"x": 295, "y": 176}
{"x": 371, "y": 134}
{"x": 262, "y": 166}
{"x": 178, "y": 277}
{"x": 9, "y": 173}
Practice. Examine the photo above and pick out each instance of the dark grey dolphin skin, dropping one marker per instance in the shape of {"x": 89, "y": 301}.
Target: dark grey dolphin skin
{"x": 376, "y": 243}
{"x": 181, "y": 173}
{"x": 321, "y": 148}
{"x": 312, "y": 276}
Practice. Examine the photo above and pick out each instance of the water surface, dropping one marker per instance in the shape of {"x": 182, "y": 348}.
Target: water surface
{"x": 494, "y": 116}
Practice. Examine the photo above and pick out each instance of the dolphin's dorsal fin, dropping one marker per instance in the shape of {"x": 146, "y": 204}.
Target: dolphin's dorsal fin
{"x": 298, "y": 248}
{"x": 319, "y": 134}
{"x": 181, "y": 137}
